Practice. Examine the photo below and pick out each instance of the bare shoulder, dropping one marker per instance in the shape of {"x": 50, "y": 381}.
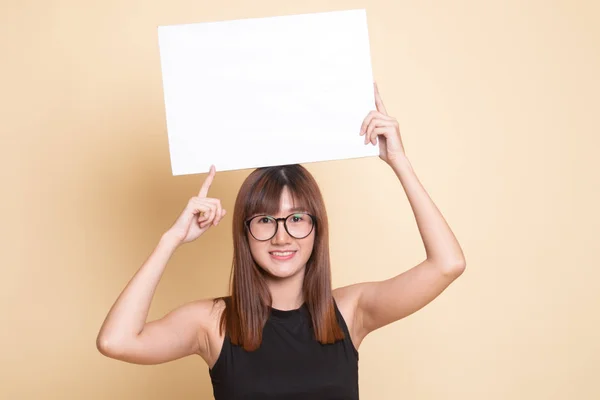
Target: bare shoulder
{"x": 205, "y": 315}
{"x": 208, "y": 311}
{"x": 346, "y": 298}
{"x": 211, "y": 338}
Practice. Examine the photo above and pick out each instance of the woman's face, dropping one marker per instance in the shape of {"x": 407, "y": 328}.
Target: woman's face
{"x": 266, "y": 253}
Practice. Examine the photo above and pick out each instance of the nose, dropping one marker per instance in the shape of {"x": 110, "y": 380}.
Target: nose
{"x": 281, "y": 236}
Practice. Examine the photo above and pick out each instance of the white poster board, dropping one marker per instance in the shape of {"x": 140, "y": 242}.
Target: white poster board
{"x": 266, "y": 91}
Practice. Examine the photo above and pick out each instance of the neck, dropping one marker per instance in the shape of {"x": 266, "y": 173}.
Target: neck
{"x": 287, "y": 293}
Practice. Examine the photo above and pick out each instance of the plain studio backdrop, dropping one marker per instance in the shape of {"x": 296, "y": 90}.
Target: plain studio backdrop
{"x": 497, "y": 103}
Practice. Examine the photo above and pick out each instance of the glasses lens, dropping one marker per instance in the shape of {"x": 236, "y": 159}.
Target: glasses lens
{"x": 299, "y": 225}
{"x": 263, "y": 227}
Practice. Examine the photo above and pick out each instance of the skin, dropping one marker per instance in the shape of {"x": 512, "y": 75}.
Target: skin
{"x": 193, "y": 327}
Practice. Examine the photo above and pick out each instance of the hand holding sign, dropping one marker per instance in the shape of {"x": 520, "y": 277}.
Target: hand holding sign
{"x": 379, "y": 126}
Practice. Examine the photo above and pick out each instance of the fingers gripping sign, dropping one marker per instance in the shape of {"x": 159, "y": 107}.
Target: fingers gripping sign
{"x": 378, "y": 102}
{"x": 378, "y": 126}
{"x": 200, "y": 214}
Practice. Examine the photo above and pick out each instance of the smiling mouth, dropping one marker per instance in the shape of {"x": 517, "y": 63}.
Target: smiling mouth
{"x": 282, "y": 255}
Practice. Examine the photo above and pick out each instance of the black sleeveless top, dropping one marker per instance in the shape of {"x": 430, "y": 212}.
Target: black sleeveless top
{"x": 290, "y": 363}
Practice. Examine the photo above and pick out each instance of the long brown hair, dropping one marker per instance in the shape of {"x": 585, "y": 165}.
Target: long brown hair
{"x": 248, "y": 307}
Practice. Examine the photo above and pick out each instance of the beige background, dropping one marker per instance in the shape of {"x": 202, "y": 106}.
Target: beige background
{"x": 498, "y": 106}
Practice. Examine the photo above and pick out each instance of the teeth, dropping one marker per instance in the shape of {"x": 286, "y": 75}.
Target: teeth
{"x": 280, "y": 254}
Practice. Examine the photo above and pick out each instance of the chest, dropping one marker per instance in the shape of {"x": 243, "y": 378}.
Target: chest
{"x": 290, "y": 365}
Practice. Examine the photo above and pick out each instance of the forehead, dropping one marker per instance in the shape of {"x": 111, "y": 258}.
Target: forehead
{"x": 287, "y": 204}
{"x": 278, "y": 201}
{"x": 286, "y": 201}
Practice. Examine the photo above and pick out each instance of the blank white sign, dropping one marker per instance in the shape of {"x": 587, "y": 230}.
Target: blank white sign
{"x": 266, "y": 91}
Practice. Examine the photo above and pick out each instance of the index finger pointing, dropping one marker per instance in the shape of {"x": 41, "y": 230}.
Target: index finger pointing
{"x": 207, "y": 182}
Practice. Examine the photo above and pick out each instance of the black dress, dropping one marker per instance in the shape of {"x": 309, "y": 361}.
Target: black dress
{"x": 289, "y": 364}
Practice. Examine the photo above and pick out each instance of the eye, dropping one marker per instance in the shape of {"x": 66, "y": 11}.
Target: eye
{"x": 264, "y": 220}
{"x": 297, "y": 217}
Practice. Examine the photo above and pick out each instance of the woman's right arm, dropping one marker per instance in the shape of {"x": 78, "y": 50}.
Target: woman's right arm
{"x": 125, "y": 335}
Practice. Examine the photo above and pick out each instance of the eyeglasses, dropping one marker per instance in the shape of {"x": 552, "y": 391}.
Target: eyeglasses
{"x": 297, "y": 225}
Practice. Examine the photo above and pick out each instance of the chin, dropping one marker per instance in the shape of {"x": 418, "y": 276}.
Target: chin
{"x": 282, "y": 271}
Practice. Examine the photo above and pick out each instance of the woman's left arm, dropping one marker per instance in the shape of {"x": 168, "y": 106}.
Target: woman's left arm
{"x": 380, "y": 303}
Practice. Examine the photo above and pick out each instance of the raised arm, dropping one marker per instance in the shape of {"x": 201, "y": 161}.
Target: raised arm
{"x": 381, "y": 303}
{"x": 376, "y": 304}
{"x": 125, "y": 335}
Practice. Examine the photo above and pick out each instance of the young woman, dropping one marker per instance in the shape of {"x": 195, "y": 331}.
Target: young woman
{"x": 282, "y": 333}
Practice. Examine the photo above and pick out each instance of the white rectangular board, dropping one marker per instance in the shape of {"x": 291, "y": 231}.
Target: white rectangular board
{"x": 266, "y": 91}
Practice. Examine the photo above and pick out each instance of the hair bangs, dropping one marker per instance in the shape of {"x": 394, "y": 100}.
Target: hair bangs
{"x": 265, "y": 196}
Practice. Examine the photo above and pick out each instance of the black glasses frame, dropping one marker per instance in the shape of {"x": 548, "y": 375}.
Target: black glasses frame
{"x": 312, "y": 217}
